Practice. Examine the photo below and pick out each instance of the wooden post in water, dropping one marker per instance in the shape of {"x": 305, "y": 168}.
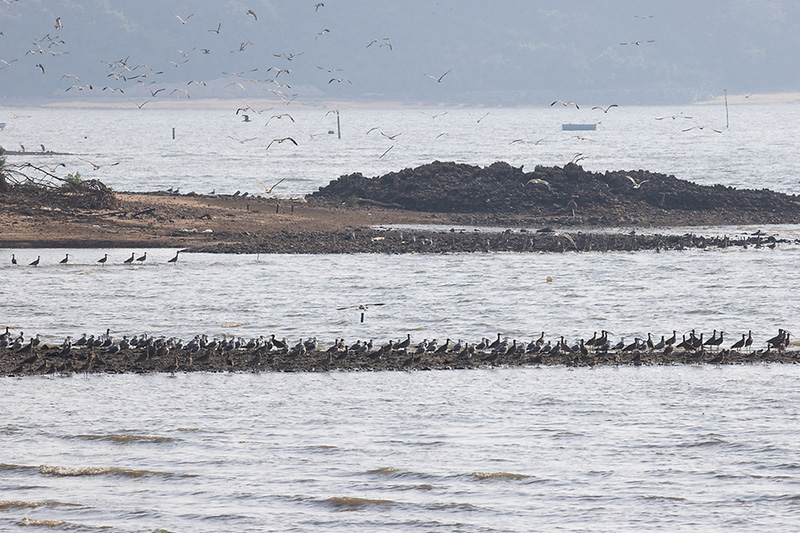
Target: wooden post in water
{"x": 727, "y": 123}
{"x": 173, "y": 134}
{"x": 338, "y": 125}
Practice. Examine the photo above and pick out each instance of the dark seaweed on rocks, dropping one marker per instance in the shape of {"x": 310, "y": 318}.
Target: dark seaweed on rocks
{"x": 502, "y": 188}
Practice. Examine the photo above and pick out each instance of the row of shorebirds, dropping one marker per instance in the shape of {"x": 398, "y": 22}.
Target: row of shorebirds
{"x": 162, "y": 346}
{"x": 102, "y": 261}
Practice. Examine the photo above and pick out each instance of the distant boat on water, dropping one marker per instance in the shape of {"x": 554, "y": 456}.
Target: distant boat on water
{"x": 578, "y": 127}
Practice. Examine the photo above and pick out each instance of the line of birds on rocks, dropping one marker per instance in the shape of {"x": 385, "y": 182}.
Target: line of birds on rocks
{"x": 201, "y": 347}
{"x": 103, "y": 260}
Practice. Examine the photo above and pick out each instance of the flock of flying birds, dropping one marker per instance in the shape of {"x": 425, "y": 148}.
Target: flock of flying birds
{"x": 139, "y": 78}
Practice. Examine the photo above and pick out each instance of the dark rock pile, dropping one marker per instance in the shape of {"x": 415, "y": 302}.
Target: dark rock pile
{"x": 502, "y": 188}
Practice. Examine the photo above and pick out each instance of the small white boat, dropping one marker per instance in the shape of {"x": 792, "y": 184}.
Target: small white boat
{"x": 578, "y": 127}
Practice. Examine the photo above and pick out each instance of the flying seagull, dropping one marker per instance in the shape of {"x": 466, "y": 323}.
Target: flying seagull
{"x": 252, "y": 14}
{"x": 565, "y": 104}
{"x": 280, "y": 117}
{"x": 269, "y": 189}
{"x": 439, "y": 79}
{"x": 95, "y": 166}
{"x": 281, "y": 141}
{"x": 386, "y": 152}
{"x": 605, "y": 109}
{"x": 182, "y": 19}
{"x": 636, "y": 184}
{"x": 702, "y": 128}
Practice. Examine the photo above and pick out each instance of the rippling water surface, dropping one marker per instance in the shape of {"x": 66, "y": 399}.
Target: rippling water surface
{"x": 460, "y": 296}
{"x": 208, "y": 153}
{"x": 675, "y": 448}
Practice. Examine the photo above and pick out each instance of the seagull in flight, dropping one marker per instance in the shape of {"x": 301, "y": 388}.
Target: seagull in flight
{"x": 526, "y": 141}
{"x": 673, "y": 117}
{"x": 565, "y": 104}
{"x": 242, "y": 141}
{"x": 217, "y": 30}
{"x": 386, "y": 152}
{"x": 340, "y": 80}
{"x": 373, "y": 41}
{"x": 182, "y": 19}
{"x": 95, "y": 166}
{"x": 58, "y": 23}
{"x": 269, "y": 189}
{"x": 702, "y": 128}
{"x": 252, "y": 14}
{"x": 637, "y": 43}
{"x": 636, "y": 184}
{"x": 279, "y": 70}
{"x": 281, "y": 141}
{"x": 317, "y": 6}
{"x": 288, "y": 57}
{"x": 280, "y": 117}
{"x": 605, "y": 109}
{"x": 439, "y": 79}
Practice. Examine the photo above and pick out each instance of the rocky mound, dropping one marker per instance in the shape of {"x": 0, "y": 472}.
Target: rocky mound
{"x": 501, "y": 188}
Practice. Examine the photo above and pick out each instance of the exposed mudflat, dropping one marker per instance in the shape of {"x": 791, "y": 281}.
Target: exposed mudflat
{"x": 343, "y": 216}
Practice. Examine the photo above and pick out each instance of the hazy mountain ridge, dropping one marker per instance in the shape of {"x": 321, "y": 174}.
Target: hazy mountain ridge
{"x": 493, "y": 53}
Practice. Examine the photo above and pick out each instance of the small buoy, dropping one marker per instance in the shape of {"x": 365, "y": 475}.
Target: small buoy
{"x": 549, "y": 279}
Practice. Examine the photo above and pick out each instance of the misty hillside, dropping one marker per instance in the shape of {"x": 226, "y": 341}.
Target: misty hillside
{"x": 499, "y": 52}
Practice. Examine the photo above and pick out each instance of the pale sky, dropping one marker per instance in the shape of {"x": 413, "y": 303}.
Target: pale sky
{"x": 499, "y": 52}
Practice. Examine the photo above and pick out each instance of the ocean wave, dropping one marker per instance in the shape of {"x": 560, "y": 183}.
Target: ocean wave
{"x": 9, "y": 504}
{"x": 40, "y": 523}
{"x": 12, "y": 468}
{"x": 78, "y": 471}
{"x": 398, "y": 473}
{"x": 352, "y": 503}
{"x": 124, "y": 439}
{"x": 499, "y": 476}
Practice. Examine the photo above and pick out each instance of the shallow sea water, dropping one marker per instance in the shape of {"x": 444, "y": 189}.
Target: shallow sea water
{"x": 609, "y": 449}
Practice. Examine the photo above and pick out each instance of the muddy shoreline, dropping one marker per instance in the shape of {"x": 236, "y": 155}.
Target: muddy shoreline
{"x": 343, "y": 216}
{"x": 51, "y": 360}
{"x": 222, "y": 224}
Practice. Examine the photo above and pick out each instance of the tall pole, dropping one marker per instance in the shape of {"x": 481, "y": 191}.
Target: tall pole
{"x": 727, "y": 123}
{"x": 338, "y": 125}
